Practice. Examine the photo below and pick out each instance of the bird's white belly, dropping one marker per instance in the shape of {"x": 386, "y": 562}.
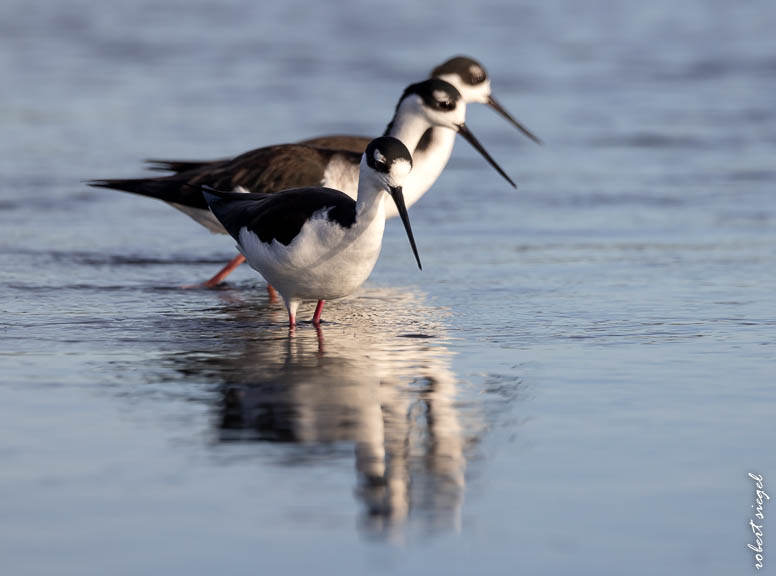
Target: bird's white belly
{"x": 204, "y": 216}
{"x": 323, "y": 262}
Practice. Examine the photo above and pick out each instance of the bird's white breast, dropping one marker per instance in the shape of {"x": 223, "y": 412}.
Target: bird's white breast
{"x": 324, "y": 261}
{"x": 341, "y": 175}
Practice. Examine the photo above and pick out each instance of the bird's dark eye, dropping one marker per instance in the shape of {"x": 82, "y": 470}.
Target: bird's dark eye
{"x": 381, "y": 166}
{"x": 446, "y": 104}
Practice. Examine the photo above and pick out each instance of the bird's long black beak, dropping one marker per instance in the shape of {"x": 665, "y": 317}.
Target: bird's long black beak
{"x": 469, "y": 137}
{"x": 398, "y": 198}
{"x": 493, "y": 103}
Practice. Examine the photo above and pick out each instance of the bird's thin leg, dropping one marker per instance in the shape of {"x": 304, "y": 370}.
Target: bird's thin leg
{"x": 318, "y": 311}
{"x": 292, "y": 306}
{"x": 222, "y": 274}
{"x": 273, "y": 294}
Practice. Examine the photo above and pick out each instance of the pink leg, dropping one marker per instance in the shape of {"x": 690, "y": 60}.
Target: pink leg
{"x": 273, "y": 294}
{"x": 291, "y": 320}
{"x": 222, "y": 274}
{"x": 318, "y": 311}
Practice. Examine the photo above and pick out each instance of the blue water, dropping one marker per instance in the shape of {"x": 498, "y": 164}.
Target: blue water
{"x": 577, "y": 382}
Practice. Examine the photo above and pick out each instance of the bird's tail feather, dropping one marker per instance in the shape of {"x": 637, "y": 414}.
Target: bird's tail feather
{"x": 167, "y": 190}
{"x": 177, "y": 166}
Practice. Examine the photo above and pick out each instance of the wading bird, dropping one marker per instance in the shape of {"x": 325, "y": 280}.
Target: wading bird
{"x": 318, "y": 243}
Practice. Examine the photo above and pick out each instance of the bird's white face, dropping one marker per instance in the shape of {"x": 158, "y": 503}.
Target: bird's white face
{"x": 471, "y": 93}
{"x": 443, "y": 111}
{"x": 389, "y": 173}
{"x": 471, "y": 81}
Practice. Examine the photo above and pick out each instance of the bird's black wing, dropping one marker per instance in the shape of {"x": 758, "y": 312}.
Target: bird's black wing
{"x": 279, "y": 216}
{"x": 340, "y": 142}
{"x": 264, "y": 170}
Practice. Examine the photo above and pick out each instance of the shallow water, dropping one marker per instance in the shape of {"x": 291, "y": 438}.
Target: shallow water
{"x": 580, "y": 378}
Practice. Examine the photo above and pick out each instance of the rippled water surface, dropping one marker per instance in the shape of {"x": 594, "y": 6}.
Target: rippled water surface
{"x": 578, "y": 381}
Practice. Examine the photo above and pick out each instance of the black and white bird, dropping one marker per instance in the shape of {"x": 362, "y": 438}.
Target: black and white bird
{"x": 431, "y": 155}
{"x": 432, "y": 103}
{"x": 318, "y": 243}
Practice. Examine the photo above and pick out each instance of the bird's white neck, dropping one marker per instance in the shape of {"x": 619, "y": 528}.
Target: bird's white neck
{"x": 409, "y": 128}
{"x": 428, "y": 163}
{"x": 371, "y": 195}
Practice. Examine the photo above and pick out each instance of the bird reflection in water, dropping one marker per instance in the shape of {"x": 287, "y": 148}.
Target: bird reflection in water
{"x": 361, "y": 380}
